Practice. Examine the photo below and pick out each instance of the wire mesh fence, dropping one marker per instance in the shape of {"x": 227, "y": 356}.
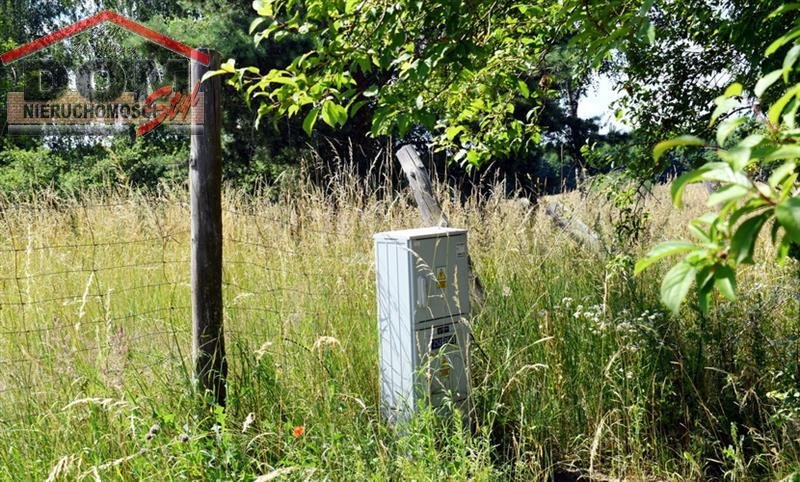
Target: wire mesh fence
{"x": 96, "y": 296}
{"x": 91, "y": 295}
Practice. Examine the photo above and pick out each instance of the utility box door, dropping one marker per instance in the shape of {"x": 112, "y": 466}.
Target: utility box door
{"x": 441, "y": 283}
{"x": 443, "y": 355}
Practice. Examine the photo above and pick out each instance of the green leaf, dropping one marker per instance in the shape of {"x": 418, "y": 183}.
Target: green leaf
{"x": 788, "y": 214}
{"x": 310, "y": 120}
{"x": 404, "y": 124}
{"x": 676, "y": 284}
{"x": 651, "y": 33}
{"x": 213, "y": 73}
{"x": 229, "y": 66}
{"x": 356, "y": 106}
{"x": 451, "y": 132}
{"x": 473, "y": 157}
{"x": 255, "y": 23}
{"x": 724, "y": 104}
{"x": 776, "y": 109}
{"x": 725, "y": 281}
{"x": 680, "y": 183}
{"x": 788, "y": 185}
{"x": 783, "y": 249}
{"x": 765, "y": 82}
{"x": 263, "y": 7}
{"x": 372, "y": 91}
{"x": 727, "y": 127}
{"x": 752, "y": 205}
{"x": 789, "y": 60}
{"x": 737, "y": 157}
{"x": 704, "y": 277}
{"x": 725, "y": 173}
{"x": 662, "y": 250}
{"x": 734, "y": 90}
{"x": 664, "y": 146}
{"x": 333, "y": 114}
{"x": 780, "y": 173}
{"x": 523, "y": 89}
{"x": 704, "y": 299}
{"x": 752, "y": 140}
{"x": 786, "y": 7}
{"x": 727, "y": 193}
{"x": 781, "y": 41}
{"x": 698, "y": 232}
{"x": 788, "y": 151}
{"x": 704, "y": 280}
{"x": 744, "y": 239}
{"x": 262, "y": 111}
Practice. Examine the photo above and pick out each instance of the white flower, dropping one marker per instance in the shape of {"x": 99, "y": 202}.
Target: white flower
{"x": 251, "y": 417}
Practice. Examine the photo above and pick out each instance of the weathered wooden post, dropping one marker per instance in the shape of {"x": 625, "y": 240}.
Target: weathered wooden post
{"x": 574, "y": 227}
{"x": 205, "y": 177}
{"x": 420, "y": 182}
{"x": 429, "y": 208}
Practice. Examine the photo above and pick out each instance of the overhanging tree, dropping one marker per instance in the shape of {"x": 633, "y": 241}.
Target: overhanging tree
{"x": 758, "y": 177}
{"x": 456, "y": 69}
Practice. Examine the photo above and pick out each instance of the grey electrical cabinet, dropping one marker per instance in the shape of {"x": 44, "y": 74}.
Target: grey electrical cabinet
{"x": 423, "y": 303}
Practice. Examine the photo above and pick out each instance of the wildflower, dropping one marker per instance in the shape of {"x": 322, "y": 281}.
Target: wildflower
{"x": 624, "y": 327}
{"x": 506, "y": 292}
{"x": 263, "y": 350}
{"x": 248, "y": 421}
{"x": 153, "y": 431}
{"x": 325, "y": 342}
{"x": 298, "y": 431}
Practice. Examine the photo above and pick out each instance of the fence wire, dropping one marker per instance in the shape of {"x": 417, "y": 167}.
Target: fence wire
{"x": 95, "y": 297}
{"x": 91, "y": 295}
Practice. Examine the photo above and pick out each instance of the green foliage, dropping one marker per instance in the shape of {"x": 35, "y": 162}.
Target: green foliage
{"x": 670, "y": 84}
{"x": 143, "y": 164}
{"x": 744, "y": 203}
{"x": 430, "y": 66}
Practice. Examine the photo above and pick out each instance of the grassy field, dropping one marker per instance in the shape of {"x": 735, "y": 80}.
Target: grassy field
{"x": 576, "y": 368}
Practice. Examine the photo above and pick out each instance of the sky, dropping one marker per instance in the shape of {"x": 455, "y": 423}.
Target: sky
{"x": 598, "y": 102}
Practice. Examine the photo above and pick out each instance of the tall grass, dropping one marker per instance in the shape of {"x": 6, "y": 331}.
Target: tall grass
{"x": 576, "y": 369}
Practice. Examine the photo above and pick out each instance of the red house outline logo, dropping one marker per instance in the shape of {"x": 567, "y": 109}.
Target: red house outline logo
{"x": 163, "y": 104}
{"x": 94, "y": 20}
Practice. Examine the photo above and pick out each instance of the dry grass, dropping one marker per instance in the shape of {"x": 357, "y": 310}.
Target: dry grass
{"x": 578, "y": 368}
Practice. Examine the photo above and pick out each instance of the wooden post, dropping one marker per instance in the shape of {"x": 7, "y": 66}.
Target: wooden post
{"x": 205, "y": 196}
{"x": 429, "y": 208}
{"x": 573, "y": 226}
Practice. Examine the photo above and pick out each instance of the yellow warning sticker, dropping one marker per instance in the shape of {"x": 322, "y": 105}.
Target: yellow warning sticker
{"x": 441, "y": 278}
